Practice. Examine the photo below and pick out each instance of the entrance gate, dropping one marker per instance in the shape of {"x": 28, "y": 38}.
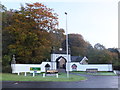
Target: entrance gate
{"x": 60, "y": 60}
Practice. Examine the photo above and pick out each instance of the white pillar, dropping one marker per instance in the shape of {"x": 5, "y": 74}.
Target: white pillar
{"x": 57, "y": 75}
{"x": 43, "y": 74}
{"x": 52, "y": 61}
{"x": 18, "y": 73}
{"x": 33, "y": 74}
{"x": 25, "y": 73}
{"x": 54, "y": 65}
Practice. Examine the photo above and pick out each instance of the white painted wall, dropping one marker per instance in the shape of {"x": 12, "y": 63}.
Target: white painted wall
{"x": 23, "y": 67}
{"x": 43, "y": 66}
{"x": 16, "y": 68}
{"x": 100, "y": 67}
{"x": 55, "y": 56}
{"x": 53, "y": 65}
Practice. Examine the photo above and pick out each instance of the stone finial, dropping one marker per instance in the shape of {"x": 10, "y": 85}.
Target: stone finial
{"x": 13, "y": 60}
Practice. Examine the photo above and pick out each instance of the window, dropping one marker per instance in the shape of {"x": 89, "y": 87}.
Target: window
{"x": 74, "y": 67}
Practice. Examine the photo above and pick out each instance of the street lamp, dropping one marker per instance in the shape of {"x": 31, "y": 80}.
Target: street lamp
{"x": 67, "y": 47}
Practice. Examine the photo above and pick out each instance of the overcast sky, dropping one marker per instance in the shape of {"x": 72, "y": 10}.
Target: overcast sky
{"x": 95, "y": 20}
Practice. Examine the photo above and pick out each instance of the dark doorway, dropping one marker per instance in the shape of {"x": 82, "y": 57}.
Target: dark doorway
{"x": 61, "y": 63}
{"x": 47, "y": 67}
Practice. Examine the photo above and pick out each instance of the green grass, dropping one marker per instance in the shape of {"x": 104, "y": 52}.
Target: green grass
{"x": 61, "y": 77}
{"x": 102, "y": 73}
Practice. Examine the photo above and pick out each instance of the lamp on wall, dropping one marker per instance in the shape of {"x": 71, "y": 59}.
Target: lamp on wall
{"x": 60, "y": 49}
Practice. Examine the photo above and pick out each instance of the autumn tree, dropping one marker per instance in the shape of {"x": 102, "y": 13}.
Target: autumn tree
{"x": 100, "y": 55}
{"x": 116, "y": 58}
{"x": 42, "y": 15}
{"x": 57, "y": 37}
{"x": 6, "y": 38}
{"x": 29, "y": 29}
{"x": 77, "y": 44}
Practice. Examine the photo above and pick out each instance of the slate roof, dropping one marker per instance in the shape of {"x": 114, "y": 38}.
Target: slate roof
{"x": 63, "y": 51}
{"x": 76, "y": 58}
{"x": 59, "y": 52}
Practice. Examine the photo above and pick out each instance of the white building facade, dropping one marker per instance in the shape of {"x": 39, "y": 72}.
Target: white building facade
{"x": 60, "y": 61}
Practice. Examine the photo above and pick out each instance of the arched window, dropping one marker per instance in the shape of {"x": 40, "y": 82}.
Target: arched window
{"x": 74, "y": 67}
{"x": 47, "y": 66}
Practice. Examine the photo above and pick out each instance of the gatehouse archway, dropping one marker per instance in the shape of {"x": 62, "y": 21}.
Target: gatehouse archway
{"x": 60, "y": 60}
{"x": 61, "y": 63}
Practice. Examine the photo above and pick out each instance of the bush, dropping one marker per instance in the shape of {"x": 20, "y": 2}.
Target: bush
{"x": 116, "y": 67}
{"x": 6, "y": 66}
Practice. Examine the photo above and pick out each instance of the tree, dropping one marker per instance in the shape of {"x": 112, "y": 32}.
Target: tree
{"x": 43, "y": 16}
{"x": 77, "y": 45}
{"x": 100, "y": 55}
{"x": 57, "y": 37}
{"x": 98, "y": 46}
{"x": 116, "y": 58}
{"x": 28, "y": 31}
{"x": 2, "y": 8}
{"x": 6, "y": 38}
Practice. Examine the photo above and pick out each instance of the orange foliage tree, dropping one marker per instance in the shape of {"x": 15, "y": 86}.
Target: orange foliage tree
{"x": 43, "y": 16}
{"x": 30, "y": 29}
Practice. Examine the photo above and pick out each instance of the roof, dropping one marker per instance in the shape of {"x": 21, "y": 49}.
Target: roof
{"x": 76, "y": 58}
{"x": 59, "y": 52}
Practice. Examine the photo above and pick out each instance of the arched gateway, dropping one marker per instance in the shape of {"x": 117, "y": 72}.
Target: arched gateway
{"x": 61, "y": 62}
{"x": 60, "y": 59}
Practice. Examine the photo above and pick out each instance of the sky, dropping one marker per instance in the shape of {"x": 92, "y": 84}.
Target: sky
{"x": 95, "y": 20}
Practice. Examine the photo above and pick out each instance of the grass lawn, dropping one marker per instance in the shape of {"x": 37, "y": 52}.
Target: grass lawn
{"x": 61, "y": 77}
{"x": 103, "y": 73}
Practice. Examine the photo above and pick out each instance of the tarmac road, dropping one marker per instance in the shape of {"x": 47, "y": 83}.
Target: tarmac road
{"x": 91, "y": 82}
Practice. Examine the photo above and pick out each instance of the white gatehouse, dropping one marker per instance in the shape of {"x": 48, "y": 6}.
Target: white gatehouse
{"x": 59, "y": 61}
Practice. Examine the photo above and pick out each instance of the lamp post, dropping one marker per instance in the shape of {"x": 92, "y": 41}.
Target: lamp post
{"x": 67, "y": 48}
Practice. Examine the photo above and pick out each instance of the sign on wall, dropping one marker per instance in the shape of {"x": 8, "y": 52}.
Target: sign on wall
{"x": 35, "y": 69}
{"x": 74, "y": 67}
